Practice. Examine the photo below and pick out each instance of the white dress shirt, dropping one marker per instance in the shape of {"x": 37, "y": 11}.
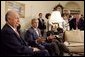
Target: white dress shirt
{"x": 36, "y": 31}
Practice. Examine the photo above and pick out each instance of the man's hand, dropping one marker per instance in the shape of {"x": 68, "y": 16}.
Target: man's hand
{"x": 40, "y": 39}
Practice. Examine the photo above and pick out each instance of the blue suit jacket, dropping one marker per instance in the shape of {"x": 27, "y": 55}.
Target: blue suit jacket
{"x": 31, "y": 36}
{"x": 12, "y": 44}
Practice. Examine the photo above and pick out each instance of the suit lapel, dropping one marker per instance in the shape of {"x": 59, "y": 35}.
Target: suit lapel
{"x": 20, "y": 39}
{"x": 16, "y": 36}
{"x": 16, "y": 33}
{"x": 39, "y": 33}
{"x": 35, "y": 32}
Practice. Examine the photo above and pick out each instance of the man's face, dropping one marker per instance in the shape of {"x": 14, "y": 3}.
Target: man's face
{"x": 35, "y": 23}
{"x": 40, "y": 15}
{"x": 59, "y": 9}
{"x": 51, "y": 36}
{"x": 49, "y": 17}
{"x": 65, "y": 17}
{"x": 14, "y": 19}
{"x": 78, "y": 16}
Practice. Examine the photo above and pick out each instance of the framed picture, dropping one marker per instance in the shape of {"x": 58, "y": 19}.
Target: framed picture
{"x": 19, "y": 7}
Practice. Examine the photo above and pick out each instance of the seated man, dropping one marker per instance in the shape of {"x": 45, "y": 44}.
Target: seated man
{"x": 34, "y": 38}
{"x": 61, "y": 45}
{"x": 11, "y": 43}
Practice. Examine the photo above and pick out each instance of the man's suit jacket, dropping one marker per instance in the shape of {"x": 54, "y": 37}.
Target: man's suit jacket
{"x": 31, "y": 36}
{"x": 41, "y": 25}
{"x": 12, "y": 44}
{"x": 72, "y": 24}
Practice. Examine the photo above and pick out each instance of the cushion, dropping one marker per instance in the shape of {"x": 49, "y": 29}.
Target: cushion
{"x": 74, "y": 36}
{"x": 77, "y": 49}
{"x": 71, "y": 44}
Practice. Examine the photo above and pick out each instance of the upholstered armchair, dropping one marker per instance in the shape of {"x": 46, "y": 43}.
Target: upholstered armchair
{"x": 74, "y": 40}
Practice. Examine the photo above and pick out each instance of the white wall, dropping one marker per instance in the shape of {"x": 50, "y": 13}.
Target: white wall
{"x": 32, "y": 8}
{"x": 2, "y": 14}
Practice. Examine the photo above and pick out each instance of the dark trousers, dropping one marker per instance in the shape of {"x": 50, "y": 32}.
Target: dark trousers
{"x": 42, "y": 32}
{"x": 62, "y": 47}
{"x": 41, "y": 53}
{"x": 52, "y": 48}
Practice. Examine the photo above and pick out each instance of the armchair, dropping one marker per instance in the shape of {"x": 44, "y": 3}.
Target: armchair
{"x": 75, "y": 41}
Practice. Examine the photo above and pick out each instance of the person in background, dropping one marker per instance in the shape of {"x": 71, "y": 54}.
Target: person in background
{"x": 11, "y": 43}
{"x": 77, "y": 22}
{"x": 82, "y": 16}
{"x": 66, "y": 22}
{"x": 47, "y": 16}
{"x": 41, "y": 24}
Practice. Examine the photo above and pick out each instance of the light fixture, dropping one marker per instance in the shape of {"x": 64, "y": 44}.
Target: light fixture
{"x": 56, "y": 18}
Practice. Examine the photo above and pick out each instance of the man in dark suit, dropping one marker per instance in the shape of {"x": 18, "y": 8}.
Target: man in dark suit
{"x": 41, "y": 24}
{"x": 77, "y": 22}
{"x": 52, "y": 38}
{"x": 34, "y": 38}
{"x": 11, "y": 43}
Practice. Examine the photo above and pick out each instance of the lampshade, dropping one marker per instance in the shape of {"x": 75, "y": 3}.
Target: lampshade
{"x": 55, "y": 17}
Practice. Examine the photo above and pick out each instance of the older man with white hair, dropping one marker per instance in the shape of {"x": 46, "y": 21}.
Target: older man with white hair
{"x": 11, "y": 43}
